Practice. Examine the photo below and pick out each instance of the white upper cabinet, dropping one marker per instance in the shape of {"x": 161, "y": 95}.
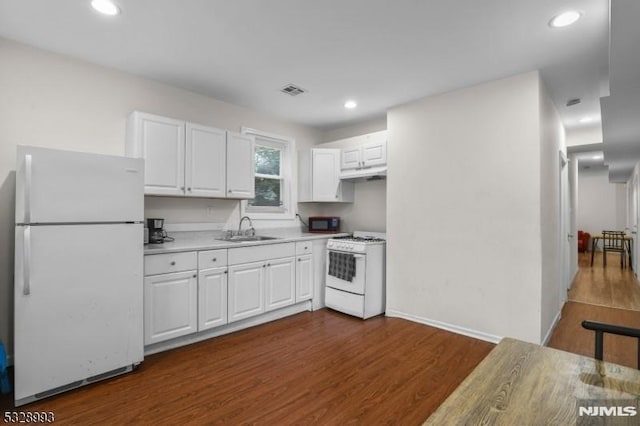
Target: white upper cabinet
{"x": 374, "y": 154}
{"x": 319, "y": 177}
{"x": 370, "y": 151}
{"x": 240, "y": 166}
{"x": 351, "y": 158}
{"x": 160, "y": 141}
{"x": 187, "y": 159}
{"x": 205, "y": 165}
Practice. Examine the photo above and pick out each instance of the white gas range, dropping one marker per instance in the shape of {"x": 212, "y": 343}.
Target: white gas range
{"x": 355, "y": 276}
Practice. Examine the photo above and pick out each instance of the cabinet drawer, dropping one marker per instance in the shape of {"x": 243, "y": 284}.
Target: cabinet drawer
{"x": 212, "y": 258}
{"x": 170, "y": 262}
{"x": 304, "y": 247}
{"x": 263, "y": 252}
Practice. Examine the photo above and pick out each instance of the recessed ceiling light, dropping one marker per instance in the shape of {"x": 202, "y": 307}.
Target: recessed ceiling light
{"x": 597, "y": 157}
{"x": 106, "y": 7}
{"x": 565, "y": 19}
{"x": 586, "y": 120}
{"x": 350, "y": 104}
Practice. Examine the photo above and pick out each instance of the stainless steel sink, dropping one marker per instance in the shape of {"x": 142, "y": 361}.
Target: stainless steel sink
{"x": 244, "y": 238}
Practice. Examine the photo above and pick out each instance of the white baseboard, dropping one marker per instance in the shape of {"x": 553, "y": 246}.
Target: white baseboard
{"x": 553, "y": 327}
{"x": 445, "y": 326}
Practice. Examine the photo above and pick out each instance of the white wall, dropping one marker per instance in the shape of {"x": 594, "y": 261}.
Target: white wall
{"x": 555, "y": 244}
{"x": 584, "y": 135}
{"x": 463, "y": 210}
{"x": 357, "y": 129}
{"x": 54, "y": 101}
{"x": 601, "y": 204}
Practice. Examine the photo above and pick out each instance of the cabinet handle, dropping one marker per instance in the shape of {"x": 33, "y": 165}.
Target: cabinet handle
{"x": 225, "y": 271}
{"x": 264, "y": 266}
{"x": 306, "y": 247}
{"x": 230, "y": 191}
{"x": 194, "y": 275}
{"x": 299, "y": 260}
{"x": 173, "y": 263}
{"x": 214, "y": 259}
{"x": 182, "y": 188}
{"x": 189, "y": 189}
{"x": 268, "y": 264}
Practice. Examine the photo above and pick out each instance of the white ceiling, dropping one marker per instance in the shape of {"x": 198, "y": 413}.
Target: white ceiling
{"x": 381, "y": 53}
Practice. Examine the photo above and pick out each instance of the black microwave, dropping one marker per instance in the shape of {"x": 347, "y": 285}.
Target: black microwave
{"x": 324, "y": 224}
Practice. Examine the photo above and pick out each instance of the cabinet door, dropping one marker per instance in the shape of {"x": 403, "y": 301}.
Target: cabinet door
{"x": 170, "y": 306}
{"x": 351, "y": 158}
{"x": 240, "y": 166}
{"x": 304, "y": 277}
{"x": 162, "y": 141}
{"x": 246, "y": 290}
{"x": 280, "y": 283}
{"x": 212, "y": 298}
{"x": 374, "y": 154}
{"x": 205, "y": 161}
{"x": 326, "y": 174}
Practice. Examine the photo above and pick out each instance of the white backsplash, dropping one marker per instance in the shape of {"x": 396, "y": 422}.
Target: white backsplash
{"x": 208, "y": 214}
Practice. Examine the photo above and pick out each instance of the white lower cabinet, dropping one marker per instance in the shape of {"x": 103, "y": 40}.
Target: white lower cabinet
{"x": 191, "y": 292}
{"x": 304, "y": 277}
{"x": 170, "y": 306}
{"x": 246, "y": 290}
{"x": 212, "y": 298}
{"x": 280, "y": 283}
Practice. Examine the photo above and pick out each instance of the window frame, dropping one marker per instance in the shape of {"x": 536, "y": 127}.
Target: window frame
{"x": 287, "y": 147}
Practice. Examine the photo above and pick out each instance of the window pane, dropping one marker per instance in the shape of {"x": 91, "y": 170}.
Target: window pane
{"x": 268, "y": 192}
{"x": 267, "y": 161}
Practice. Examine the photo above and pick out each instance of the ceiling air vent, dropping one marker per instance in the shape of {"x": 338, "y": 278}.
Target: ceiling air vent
{"x": 572, "y": 102}
{"x": 292, "y": 90}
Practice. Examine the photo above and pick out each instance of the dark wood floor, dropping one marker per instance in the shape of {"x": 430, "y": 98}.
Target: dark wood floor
{"x": 571, "y": 337}
{"x": 321, "y": 367}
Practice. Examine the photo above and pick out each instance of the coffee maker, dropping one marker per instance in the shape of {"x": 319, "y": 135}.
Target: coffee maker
{"x": 156, "y": 231}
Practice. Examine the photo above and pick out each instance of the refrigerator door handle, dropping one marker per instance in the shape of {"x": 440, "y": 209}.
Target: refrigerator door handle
{"x": 26, "y": 262}
{"x": 27, "y": 187}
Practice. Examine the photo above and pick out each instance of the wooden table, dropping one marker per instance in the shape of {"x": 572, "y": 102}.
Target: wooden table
{"x": 627, "y": 239}
{"x": 520, "y": 383}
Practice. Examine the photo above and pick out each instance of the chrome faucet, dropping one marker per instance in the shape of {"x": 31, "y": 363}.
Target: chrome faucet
{"x": 253, "y": 231}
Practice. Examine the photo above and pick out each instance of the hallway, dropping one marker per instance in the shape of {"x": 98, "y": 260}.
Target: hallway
{"x": 600, "y": 294}
{"x": 612, "y": 286}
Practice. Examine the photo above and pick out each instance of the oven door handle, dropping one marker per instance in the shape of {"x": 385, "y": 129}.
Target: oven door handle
{"x": 357, "y": 256}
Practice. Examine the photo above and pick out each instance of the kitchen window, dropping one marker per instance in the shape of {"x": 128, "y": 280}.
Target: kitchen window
{"x": 273, "y": 182}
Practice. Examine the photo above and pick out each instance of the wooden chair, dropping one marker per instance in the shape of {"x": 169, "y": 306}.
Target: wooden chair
{"x": 613, "y": 241}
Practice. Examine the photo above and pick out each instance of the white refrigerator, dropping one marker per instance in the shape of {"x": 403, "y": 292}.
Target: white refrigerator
{"x": 78, "y": 269}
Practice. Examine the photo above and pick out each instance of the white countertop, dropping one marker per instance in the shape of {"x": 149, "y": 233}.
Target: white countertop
{"x": 206, "y": 240}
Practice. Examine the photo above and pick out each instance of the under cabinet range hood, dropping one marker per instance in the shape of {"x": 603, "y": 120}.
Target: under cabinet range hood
{"x": 364, "y": 174}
